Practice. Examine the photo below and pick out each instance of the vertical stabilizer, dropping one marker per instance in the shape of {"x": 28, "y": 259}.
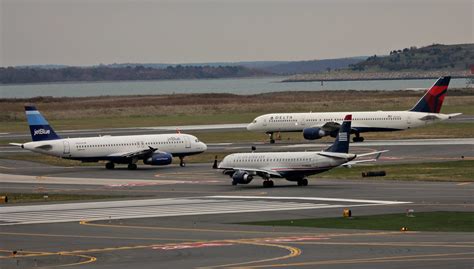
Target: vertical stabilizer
{"x": 39, "y": 126}
{"x": 433, "y": 99}
{"x": 342, "y": 140}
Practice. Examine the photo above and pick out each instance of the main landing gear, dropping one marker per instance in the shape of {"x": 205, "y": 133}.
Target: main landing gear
{"x": 358, "y": 138}
{"x": 303, "y": 182}
{"x": 268, "y": 183}
{"x": 182, "y": 163}
{"x": 109, "y": 165}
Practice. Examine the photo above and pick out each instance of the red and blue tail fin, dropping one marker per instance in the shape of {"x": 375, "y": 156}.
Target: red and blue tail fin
{"x": 433, "y": 99}
{"x": 342, "y": 140}
{"x": 39, "y": 127}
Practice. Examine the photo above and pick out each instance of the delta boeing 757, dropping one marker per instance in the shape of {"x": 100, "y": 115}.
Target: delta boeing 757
{"x": 318, "y": 125}
{"x": 293, "y": 166}
{"x": 152, "y": 149}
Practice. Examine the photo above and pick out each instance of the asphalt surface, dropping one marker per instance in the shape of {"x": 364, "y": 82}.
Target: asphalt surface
{"x": 185, "y": 217}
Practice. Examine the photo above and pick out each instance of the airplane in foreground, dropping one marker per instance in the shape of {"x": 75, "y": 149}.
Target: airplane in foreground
{"x": 152, "y": 149}
{"x": 317, "y": 125}
{"x": 293, "y": 166}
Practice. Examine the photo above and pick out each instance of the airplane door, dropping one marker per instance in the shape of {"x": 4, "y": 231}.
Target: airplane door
{"x": 301, "y": 121}
{"x": 408, "y": 121}
{"x": 141, "y": 144}
{"x": 66, "y": 148}
{"x": 264, "y": 122}
{"x": 187, "y": 143}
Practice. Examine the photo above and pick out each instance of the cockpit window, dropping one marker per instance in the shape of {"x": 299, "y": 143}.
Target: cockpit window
{"x": 255, "y": 121}
{"x": 197, "y": 140}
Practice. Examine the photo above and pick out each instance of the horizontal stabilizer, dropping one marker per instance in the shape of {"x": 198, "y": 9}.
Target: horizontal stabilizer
{"x": 377, "y": 153}
{"x": 373, "y": 153}
{"x": 16, "y": 144}
{"x": 336, "y": 155}
{"x": 454, "y": 115}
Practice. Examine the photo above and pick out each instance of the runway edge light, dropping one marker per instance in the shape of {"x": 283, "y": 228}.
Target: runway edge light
{"x": 347, "y": 213}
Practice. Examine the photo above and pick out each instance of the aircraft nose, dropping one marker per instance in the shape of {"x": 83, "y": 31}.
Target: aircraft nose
{"x": 203, "y": 146}
{"x": 250, "y": 126}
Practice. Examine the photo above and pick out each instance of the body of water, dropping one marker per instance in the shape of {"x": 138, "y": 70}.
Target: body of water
{"x": 234, "y": 85}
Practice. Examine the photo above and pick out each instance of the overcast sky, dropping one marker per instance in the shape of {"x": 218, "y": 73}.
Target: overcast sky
{"x": 88, "y": 32}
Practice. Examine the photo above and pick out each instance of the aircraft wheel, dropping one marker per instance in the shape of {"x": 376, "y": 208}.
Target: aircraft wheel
{"x": 234, "y": 183}
{"x": 267, "y": 183}
{"x": 358, "y": 139}
{"x": 132, "y": 166}
{"x": 303, "y": 182}
{"x": 110, "y": 165}
{"x": 272, "y": 141}
{"x": 181, "y": 162}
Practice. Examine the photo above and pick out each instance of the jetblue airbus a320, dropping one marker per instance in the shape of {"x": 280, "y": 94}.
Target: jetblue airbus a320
{"x": 152, "y": 149}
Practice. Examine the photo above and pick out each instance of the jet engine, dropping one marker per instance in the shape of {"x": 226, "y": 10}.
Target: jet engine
{"x": 242, "y": 177}
{"x": 313, "y": 133}
{"x": 160, "y": 158}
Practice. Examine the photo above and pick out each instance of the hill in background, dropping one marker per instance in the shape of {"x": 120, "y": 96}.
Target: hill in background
{"x": 434, "y": 57}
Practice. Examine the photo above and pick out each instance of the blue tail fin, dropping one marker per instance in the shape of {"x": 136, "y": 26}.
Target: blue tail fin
{"x": 342, "y": 140}
{"x": 39, "y": 127}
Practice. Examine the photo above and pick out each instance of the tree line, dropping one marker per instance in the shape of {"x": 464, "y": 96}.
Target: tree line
{"x": 11, "y": 75}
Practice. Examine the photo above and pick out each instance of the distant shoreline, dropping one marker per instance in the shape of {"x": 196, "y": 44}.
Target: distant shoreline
{"x": 369, "y": 76}
{"x": 367, "y": 79}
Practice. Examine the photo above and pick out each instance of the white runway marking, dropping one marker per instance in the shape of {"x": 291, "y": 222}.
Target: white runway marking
{"x": 407, "y": 142}
{"x": 109, "y": 182}
{"x": 150, "y": 208}
{"x": 311, "y": 199}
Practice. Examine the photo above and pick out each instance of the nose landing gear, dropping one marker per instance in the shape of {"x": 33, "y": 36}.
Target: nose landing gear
{"x": 182, "y": 163}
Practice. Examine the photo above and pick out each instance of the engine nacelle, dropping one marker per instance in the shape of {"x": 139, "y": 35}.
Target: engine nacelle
{"x": 161, "y": 158}
{"x": 313, "y": 133}
{"x": 242, "y": 177}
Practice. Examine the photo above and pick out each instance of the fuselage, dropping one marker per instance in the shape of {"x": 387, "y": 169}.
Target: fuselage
{"x": 288, "y": 164}
{"x": 373, "y": 121}
{"x": 109, "y": 147}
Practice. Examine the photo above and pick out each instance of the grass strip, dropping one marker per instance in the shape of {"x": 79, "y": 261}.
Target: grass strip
{"x": 457, "y": 171}
{"x": 14, "y": 198}
{"x": 441, "y": 221}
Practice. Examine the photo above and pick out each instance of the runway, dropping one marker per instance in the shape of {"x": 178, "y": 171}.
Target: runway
{"x": 400, "y": 151}
{"x": 191, "y": 230}
{"x": 168, "y": 129}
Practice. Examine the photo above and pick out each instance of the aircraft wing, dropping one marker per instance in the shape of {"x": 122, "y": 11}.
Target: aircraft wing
{"x": 377, "y": 153}
{"x": 134, "y": 154}
{"x": 256, "y": 170}
{"x": 330, "y": 127}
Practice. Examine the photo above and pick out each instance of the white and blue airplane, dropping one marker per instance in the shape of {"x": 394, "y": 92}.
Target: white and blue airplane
{"x": 156, "y": 149}
{"x": 316, "y": 125}
{"x": 293, "y": 166}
